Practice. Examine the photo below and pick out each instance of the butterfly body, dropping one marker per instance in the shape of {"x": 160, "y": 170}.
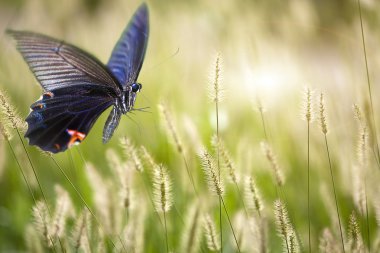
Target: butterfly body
{"x": 78, "y": 88}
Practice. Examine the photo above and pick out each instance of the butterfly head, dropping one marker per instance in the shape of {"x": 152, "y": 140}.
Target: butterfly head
{"x": 129, "y": 97}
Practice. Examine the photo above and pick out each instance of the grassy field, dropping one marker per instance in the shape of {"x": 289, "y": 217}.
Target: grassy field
{"x": 238, "y": 151}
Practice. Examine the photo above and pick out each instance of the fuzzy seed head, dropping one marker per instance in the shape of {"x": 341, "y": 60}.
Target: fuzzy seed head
{"x": 42, "y": 222}
{"x": 211, "y": 236}
{"x": 322, "y": 115}
{"x": 63, "y": 209}
{"x": 213, "y": 180}
{"x": 220, "y": 148}
{"x": 285, "y": 228}
{"x": 162, "y": 189}
{"x": 279, "y": 177}
{"x": 327, "y": 242}
{"x": 216, "y": 89}
{"x": 355, "y": 240}
{"x": 190, "y": 239}
{"x": 9, "y": 113}
{"x": 147, "y": 158}
{"x": 131, "y": 153}
{"x": 307, "y": 110}
{"x": 81, "y": 231}
{"x": 168, "y": 125}
{"x": 4, "y": 133}
{"x": 252, "y": 196}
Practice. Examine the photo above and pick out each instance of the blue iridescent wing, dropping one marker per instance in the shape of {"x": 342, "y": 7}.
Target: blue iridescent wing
{"x": 65, "y": 116}
{"x": 128, "y": 55}
{"x": 78, "y": 88}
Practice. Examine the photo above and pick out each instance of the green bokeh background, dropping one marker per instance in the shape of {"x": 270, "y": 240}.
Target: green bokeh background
{"x": 270, "y": 51}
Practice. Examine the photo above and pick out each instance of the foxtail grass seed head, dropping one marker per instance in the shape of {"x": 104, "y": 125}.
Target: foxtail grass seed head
{"x": 134, "y": 231}
{"x": 168, "y": 125}
{"x": 218, "y": 145}
{"x": 284, "y": 227}
{"x": 9, "y": 113}
{"x": 216, "y": 91}
{"x": 328, "y": 243}
{"x": 131, "y": 153}
{"x": 4, "y": 133}
{"x": 210, "y": 233}
{"x": 82, "y": 229}
{"x": 279, "y": 177}
{"x": 355, "y": 240}
{"x": 32, "y": 241}
{"x": 359, "y": 115}
{"x": 215, "y": 183}
{"x": 191, "y": 233}
{"x": 63, "y": 209}
{"x": 147, "y": 159}
{"x": 322, "y": 115}
{"x": 42, "y": 222}
{"x": 252, "y": 196}
{"x": 162, "y": 189}
{"x": 358, "y": 188}
{"x": 307, "y": 108}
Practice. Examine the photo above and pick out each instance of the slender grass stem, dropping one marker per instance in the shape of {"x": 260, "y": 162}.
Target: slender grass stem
{"x": 38, "y": 182}
{"x": 28, "y": 185}
{"x": 335, "y": 195}
{"x": 308, "y": 181}
{"x": 377, "y": 154}
{"x": 218, "y": 163}
{"x": 367, "y": 217}
{"x": 189, "y": 173}
{"x": 166, "y": 233}
{"x": 229, "y": 221}
{"x": 242, "y": 199}
{"x": 263, "y": 123}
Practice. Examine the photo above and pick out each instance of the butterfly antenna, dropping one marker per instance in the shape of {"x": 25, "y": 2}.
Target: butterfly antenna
{"x": 164, "y": 60}
{"x": 137, "y": 124}
{"x": 142, "y": 109}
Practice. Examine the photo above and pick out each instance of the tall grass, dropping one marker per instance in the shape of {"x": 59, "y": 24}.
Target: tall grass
{"x": 252, "y": 192}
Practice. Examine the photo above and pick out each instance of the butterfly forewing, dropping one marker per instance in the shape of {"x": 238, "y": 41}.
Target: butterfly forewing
{"x": 56, "y": 64}
{"x": 128, "y": 55}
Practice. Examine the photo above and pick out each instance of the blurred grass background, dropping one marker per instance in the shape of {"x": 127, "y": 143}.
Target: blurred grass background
{"x": 270, "y": 50}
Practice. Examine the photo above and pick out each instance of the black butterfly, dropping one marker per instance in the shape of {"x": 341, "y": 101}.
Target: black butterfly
{"x": 78, "y": 87}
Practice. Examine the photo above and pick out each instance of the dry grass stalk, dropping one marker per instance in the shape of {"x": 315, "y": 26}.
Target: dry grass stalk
{"x": 210, "y": 233}
{"x": 219, "y": 145}
{"x": 80, "y": 236}
{"x": 328, "y": 243}
{"x": 42, "y": 222}
{"x": 216, "y": 91}
{"x": 191, "y": 236}
{"x": 169, "y": 126}
{"x": 252, "y": 196}
{"x": 147, "y": 159}
{"x": 322, "y": 115}
{"x": 285, "y": 228}
{"x": 132, "y": 153}
{"x": 215, "y": 185}
{"x": 163, "y": 198}
{"x": 9, "y": 113}
{"x": 355, "y": 241}
{"x": 63, "y": 209}
{"x": 279, "y": 177}
{"x": 307, "y": 108}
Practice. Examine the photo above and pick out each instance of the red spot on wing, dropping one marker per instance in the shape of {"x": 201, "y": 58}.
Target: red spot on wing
{"x": 76, "y": 137}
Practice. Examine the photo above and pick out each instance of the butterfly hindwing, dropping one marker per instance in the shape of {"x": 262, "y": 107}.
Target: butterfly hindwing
{"x": 128, "y": 55}
{"x": 61, "y": 119}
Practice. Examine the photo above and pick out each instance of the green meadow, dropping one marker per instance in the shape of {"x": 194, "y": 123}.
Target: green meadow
{"x": 260, "y": 131}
